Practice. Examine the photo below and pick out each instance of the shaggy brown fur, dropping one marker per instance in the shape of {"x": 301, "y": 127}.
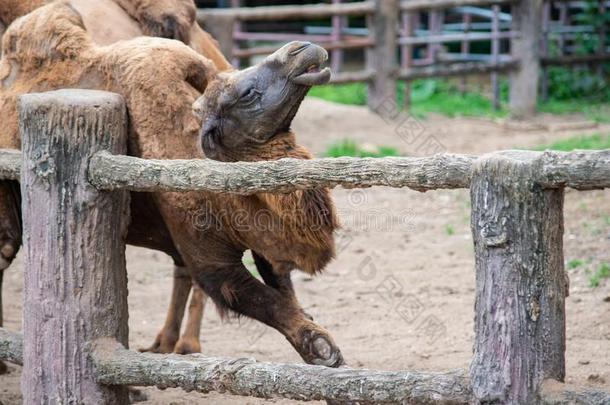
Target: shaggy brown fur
{"x": 172, "y": 19}
{"x": 107, "y": 22}
{"x": 160, "y": 80}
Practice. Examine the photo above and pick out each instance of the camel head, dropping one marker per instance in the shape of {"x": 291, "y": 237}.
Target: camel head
{"x": 243, "y": 110}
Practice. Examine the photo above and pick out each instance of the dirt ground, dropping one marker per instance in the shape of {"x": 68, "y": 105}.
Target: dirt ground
{"x": 398, "y": 249}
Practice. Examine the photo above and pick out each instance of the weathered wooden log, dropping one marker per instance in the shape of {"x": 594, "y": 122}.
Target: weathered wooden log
{"x": 10, "y": 164}
{"x": 555, "y": 393}
{"x": 116, "y": 365}
{"x": 525, "y": 48}
{"x": 382, "y": 58}
{"x": 580, "y": 170}
{"x": 11, "y": 346}
{"x": 75, "y": 286}
{"x": 521, "y": 284}
{"x": 304, "y": 12}
{"x": 441, "y": 171}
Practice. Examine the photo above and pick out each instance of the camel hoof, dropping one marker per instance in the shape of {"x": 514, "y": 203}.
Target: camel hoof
{"x": 163, "y": 344}
{"x": 187, "y": 346}
{"x": 320, "y": 350}
{"x": 7, "y": 254}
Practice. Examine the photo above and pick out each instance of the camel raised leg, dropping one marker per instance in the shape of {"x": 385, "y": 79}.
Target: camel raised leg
{"x": 233, "y": 287}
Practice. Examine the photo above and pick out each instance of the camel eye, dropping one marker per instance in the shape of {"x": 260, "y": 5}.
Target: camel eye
{"x": 250, "y": 95}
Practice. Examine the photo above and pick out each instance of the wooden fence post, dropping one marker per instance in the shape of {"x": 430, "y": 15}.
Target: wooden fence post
{"x": 520, "y": 280}
{"x": 75, "y": 279}
{"x": 222, "y": 28}
{"x": 382, "y": 58}
{"x": 527, "y": 17}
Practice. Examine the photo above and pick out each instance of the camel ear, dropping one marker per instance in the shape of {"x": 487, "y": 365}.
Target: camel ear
{"x": 199, "y": 73}
{"x": 198, "y": 107}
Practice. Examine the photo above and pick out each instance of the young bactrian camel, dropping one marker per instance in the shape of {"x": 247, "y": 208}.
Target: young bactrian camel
{"x": 107, "y": 22}
{"x": 160, "y": 80}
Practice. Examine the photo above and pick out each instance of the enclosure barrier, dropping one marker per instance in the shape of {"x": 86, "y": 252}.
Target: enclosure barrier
{"x": 528, "y": 35}
{"x": 74, "y": 184}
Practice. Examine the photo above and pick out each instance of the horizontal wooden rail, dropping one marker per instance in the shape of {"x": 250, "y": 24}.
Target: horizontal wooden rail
{"x": 248, "y": 377}
{"x": 117, "y": 365}
{"x": 455, "y": 69}
{"x": 10, "y": 164}
{"x": 579, "y": 169}
{"x": 574, "y": 59}
{"x": 441, "y": 171}
{"x": 352, "y": 77}
{"x": 330, "y": 46}
{"x": 11, "y": 346}
{"x": 274, "y": 13}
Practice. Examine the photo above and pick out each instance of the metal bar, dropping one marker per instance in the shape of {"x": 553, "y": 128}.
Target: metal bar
{"x": 470, "y": 37}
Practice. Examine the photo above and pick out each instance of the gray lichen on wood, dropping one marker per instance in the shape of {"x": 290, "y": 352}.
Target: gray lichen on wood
{"x": 581, "y": 170}
{"x": 517, "y": 229}
{"x": 11, "y": 346}
{"x": 116, "y": 365}
{"x": 440, "y": 171}
{"x": 75, "y": 287}
{"x": 10, "y": 164}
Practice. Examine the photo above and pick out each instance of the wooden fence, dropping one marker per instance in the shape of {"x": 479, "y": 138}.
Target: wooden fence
{"x": 75, "y": 181}
{"x": 529, "y": 32}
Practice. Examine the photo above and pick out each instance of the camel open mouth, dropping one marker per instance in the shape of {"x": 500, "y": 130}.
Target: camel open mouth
{"x": 313, "y": 76}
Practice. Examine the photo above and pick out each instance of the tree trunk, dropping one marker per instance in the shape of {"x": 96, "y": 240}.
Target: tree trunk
{"x": 75, "y": 280}
{"x": 521, "y": 286}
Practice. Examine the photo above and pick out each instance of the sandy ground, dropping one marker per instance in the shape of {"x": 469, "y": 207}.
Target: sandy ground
{"x": 397, "y": 248}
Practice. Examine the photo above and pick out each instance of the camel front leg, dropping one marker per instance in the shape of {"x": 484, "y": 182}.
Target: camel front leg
{"x": 233, "y": 288}
{"x": 168, "y": 336}
{"x": 190, "y": 340}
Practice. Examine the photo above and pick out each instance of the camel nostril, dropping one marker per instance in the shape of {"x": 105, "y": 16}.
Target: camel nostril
{"x": 300, "y": 48}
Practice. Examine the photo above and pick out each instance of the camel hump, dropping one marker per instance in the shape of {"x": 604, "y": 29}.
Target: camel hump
{"x": 48, "y": 34}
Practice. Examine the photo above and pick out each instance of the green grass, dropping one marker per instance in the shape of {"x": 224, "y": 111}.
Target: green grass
{"x": 351, "y": 94}
{"x": 603, "y": 272}
{"x": 575, "y": 263}
{"x": 348, "y": 147}
{"x": 449, "y": 230}
{"x": 598, "y": 112}
{"x": 595, "y": 141}
{"x": 441, "y": 97}
{"x": 427, "y": 96}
